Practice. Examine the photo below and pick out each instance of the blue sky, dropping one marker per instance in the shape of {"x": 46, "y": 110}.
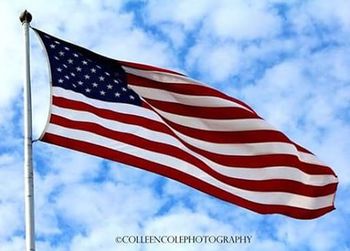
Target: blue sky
{"x": 289, "y": 60}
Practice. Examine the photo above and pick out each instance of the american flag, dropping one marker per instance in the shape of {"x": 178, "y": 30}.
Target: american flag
{"x": 167, "y": 123}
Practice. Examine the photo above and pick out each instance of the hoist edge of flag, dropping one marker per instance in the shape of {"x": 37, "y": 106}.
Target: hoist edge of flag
{"x": 37, "y": 33}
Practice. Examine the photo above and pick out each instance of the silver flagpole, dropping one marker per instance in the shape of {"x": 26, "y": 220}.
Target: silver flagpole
{"x": 25, "y": 18}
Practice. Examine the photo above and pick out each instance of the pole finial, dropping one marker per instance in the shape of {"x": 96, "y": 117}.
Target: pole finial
{"x": 25, "y": 17}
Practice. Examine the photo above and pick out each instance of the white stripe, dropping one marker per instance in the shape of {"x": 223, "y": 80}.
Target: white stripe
{"x": 241, "y": 149}
{"x": 240, "y": 125}
{"x": 224, "y": 125}
{"x": 279, "y": 172}
{"x": 193, "y": 100}
{"x": 288, "y": 173}
{"x": 310, "y": 158}
{"x": 249, "y": 149}
{"x": 267, "y": 198}
{"x": 112, "y": 106}
{"x": 164, "y": 77}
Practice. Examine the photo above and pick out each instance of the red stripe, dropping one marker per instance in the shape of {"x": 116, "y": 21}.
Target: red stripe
{"x": 230, "y": 137}
{"x": 107, "y": 114}
{"x": 148, "y": 67}
{"x": 189, "y": 180}
{"x": 188, "y": 88}
{"x": 237, "y": 161}
{"x": 258, "y": 161}
{"x": 302, "y": 149}
{"x": 202, "y": 112}
{"x": 253, "y": 185}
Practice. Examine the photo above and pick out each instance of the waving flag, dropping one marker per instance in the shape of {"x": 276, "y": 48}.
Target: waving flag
{"x": 169, "y": 124}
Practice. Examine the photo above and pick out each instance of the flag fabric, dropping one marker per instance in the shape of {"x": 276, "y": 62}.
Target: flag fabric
{"x": 167, "y": 123}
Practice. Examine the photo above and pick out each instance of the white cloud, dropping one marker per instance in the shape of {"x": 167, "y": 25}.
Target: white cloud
{"x": 15, "y": 243}
{"x": 11, "y": 196}
{"x": 101, "y": 238}
{"x": 217, "y": 63}
{"x": 10, "y": 59}
{"x": 128, "y": 175}
{"x": 278, "y": 94}
{"x": 242, "y": 20}
{"x": 320, "y": 13}
{"x": 109, "y": 201}
{"x": 175, "y": 33}
{"x": 187, "y": 14}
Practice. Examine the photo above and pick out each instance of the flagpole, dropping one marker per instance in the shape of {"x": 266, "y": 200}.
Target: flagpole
{"x": 26, "y": 18}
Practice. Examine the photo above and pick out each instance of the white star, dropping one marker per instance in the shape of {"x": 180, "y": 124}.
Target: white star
{"x": 107, "y": 74}
{"x": 72, "y": 73}
{"x": 109, "y": 86}
{"x": 87, "y": 76}
{"x": 80, "y": 83}
{"x": 66, "y": 48}
{"x": 93, "y": 70}
{"x": 124, "y": 89}
{"x": 116, "y": 81}
{"x": 74, "y": 85}
{"x": 131, "y": 97}
{"x": 65, "y": 66}
{"x": 61, "y": 53}
{"x": 57, "y": 42}
{"x": 57, "y": 58}
{"x": 88, "y": 90}
{"x": 66, "y": 77}
{"x": 101, "y": 78}
{"x": 102, "y": 93}
{"x": 84, "y": 62}
{"x": 59, "y": 69}
{"x": 78, "y": 68}
{"x": 75, "y": 55}
{"x": 70, "y": 61}
{"x": 60, "y": 80}
{"x": 52, "y": 46}
{"x": 117, "y": 94}
{"x": 94, "y": 84}
{"x": 98, "y": 66}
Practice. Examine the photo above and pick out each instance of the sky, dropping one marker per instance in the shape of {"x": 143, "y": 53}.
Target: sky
{"x": 289, "y": 60}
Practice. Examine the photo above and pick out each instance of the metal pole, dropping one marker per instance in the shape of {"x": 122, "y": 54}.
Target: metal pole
{"x": 25, "y": 18}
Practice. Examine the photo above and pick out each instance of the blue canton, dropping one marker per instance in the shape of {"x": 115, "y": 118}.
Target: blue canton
{"x": 83, "y": 71}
